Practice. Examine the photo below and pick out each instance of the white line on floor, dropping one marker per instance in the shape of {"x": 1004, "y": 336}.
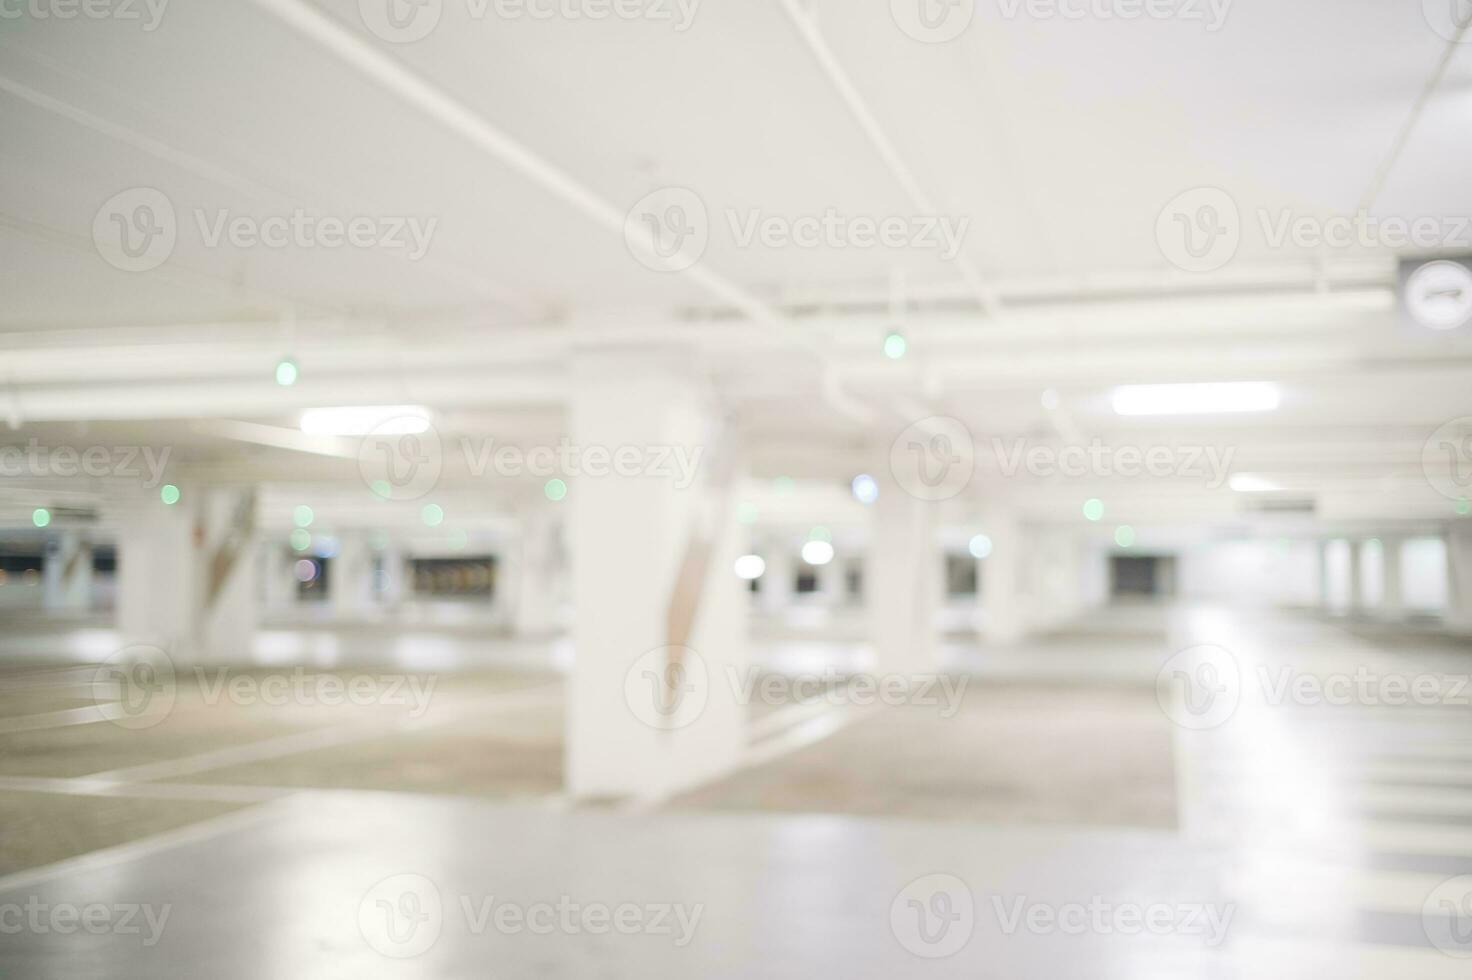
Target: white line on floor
{"x": 133, "y": 850}
{"x": 284, "y": 745}
{"x": 144, "y": 791}
{"x": 87, "y": 715}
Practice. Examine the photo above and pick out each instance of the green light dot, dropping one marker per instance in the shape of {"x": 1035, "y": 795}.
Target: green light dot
{"x": 1124, "y": 535}
{"x": 432, "y": 514}
{"x": 895, "y": 346}
{"x": 169, "y": 494}
{"x": 287, "y": 372}
{"x": 746, "y": 512}
{"x": 820, "y": 533}
{"x": 40, "y": 517}
{"x": 1093, "y": 508}
{"x": 783, "y": 485}
{"x": 1463, "y": 507}
{"x": 301, "y": 539}
{"x": 381, "y": 489}
{"x": 459, "y": 539}
{"x": 555, "y": 489}
{"x": 302, "y": 516}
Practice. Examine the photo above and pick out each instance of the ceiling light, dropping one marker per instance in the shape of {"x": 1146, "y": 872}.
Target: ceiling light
{"x": 749, "y": 567}
{"x": 1196, "y": 399}
{"x": 1249, "y": 483}
{"x": 360, "y": 420}
{"x": 817, "y": 552}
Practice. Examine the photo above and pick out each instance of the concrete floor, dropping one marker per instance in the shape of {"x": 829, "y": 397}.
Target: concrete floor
{"x": 1324, "y": 830}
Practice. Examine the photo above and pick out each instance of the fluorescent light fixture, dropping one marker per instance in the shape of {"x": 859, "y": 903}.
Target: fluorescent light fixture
{"x": 361, "y": 420}
{"x": 1249, "y": 483}
{"x": 1196, "y": 399}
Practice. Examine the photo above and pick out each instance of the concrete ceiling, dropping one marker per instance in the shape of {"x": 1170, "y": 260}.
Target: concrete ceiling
{"x": 1058, "y": 140}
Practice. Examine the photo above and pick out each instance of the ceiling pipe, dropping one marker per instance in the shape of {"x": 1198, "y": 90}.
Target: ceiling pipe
{"x": 456, "y": 117}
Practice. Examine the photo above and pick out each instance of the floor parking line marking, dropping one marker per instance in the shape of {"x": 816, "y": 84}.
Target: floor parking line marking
{"x": 86, "y": 715}
{"x": 298, "y": 742}
{"x": 133, "y": 850}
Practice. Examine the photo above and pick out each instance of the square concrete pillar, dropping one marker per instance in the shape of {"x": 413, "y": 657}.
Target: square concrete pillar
{"x": 660, "y": 615}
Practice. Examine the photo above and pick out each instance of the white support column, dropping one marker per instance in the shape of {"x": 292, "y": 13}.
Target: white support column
{"x": 533, "y": 595}
{"x": 1392, "y": 599}
{"x": 830, "y": 583}
{"x": 188, "y": 574}
{"x": 67, "y": 573}
{"x": 157, "y": 576}
{"x": 350, "y": 579}
{"x": 228, "y": 559}
{"x": 776, "y": 585}
{"x": 1321, "y": 554}
{"x": 392, "y": 562}
{"x": 1459, "y": 577}
{"x": 1058, "y": 578}
{"x": 999, "y": 579}
{"x": 1356, "y": 577}
{"x": 902, "y": 582}
{"x": 630, "y": 539}
{"x": 278, "y": 574}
